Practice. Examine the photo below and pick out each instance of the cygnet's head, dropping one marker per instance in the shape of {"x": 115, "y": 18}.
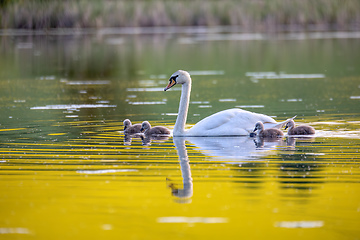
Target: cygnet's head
{"x": 145, "y": 126}
{"x": 259, "y": 126}
{"x": 179, "y": 77}
{"x": 290, "y": 124}
{"x": 127, "y": 123}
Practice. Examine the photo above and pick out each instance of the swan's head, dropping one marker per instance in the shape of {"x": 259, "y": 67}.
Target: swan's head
{"x": 290, "y": 124}
{"x": 179, "y": 77}
{"x": 259, "y": 126}
{"x": 145, "y": 126}
{"x": 127, "y": 123}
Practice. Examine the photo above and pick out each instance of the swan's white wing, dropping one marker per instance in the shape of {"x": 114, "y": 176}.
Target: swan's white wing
{"x": 231, "y": 122}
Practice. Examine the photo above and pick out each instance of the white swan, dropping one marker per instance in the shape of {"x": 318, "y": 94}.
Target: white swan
{"x": 231, "y": 122}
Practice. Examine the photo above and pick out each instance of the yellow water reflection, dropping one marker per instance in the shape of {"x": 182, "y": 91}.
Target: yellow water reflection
{"x": 101, "y": 186}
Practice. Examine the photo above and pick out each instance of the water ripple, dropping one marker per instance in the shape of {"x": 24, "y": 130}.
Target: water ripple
{"x": 72, "y": 106}
{"x": 192, "y": 220}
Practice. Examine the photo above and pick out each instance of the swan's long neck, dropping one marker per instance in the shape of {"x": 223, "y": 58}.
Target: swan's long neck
{"x": 179, "y": 129}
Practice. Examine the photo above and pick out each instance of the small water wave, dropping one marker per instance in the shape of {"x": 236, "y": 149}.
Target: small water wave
{"x": 97, "y": 82}
{"x": 223, "y": 37}
{"x": 192, "y": 220}
{"x": 147, "y": 103}
{"x": 328, "y": 123}
{"x": 354, "y": 97}
{"x": 292, "y": 100}
{"x": 250, "y": 106}
{"x": 105, "y": 171}
{"x": 315, "y": 154}
{"x": 107, "y": 227}
{"x": 56, "y": 134}
{"x": 11, "y": 129}
{"x": 338, "y": 134}
{"x": 282, "y": 75}
{"x": 150, "y": 89}
{"x": 227, "y": 100}
{"x": 207, "y": 72}
{"x": 160, "y": 76}
{"x": 199, "y": 102}
{"x": 299, "y": 224}
{"x": 47, "y": 78}
{"x": 259, "y": 36}
{"x": 322, "y": 35}
{"x": 170, "y": 114}
{"x": 72, "y": 106}
{"x": 16, "y": 230}
{"x": 147, "y": 83}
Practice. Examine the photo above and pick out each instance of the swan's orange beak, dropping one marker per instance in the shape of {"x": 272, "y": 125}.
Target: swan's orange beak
{"x": 172, "y": 82}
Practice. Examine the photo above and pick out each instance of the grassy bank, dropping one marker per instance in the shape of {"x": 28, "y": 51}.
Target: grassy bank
{"x": 249, "y": 15}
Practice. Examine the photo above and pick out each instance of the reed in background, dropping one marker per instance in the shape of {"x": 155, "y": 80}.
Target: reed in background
{"x": 249, "y": 15}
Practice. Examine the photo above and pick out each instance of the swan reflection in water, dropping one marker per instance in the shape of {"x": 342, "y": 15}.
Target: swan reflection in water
{"x": 229, "y": 148}
{"x": 186, "y": 192}
{"x": 184, "y": 195}
{"x": 234, "y": 150}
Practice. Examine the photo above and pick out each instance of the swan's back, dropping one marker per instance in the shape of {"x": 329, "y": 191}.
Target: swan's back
{"x": 231, "y": 122}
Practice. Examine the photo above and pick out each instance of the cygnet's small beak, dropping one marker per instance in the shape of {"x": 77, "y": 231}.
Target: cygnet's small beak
{"x": 252, "y": 134}
{"x": 286, "y": 126}
{"x": 124, "y": 128}
{"x": 172, "y": 82}
{"x": 254, "y": 130}
{"x": 142, "y": 129}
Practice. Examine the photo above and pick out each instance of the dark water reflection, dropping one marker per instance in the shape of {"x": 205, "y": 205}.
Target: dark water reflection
{"x": 63, "y": 154}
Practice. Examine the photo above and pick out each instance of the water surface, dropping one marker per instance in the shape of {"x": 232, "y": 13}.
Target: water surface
{"x": 67, "y": 170}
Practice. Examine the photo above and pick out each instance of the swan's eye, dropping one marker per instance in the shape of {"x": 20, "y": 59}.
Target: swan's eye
{"x": 174, "y": 78}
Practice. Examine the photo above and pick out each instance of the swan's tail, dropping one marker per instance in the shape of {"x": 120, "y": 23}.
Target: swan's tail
{"x": 279, "y": 124}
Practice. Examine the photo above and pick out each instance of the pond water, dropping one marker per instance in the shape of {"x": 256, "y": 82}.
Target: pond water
{"x": 67, "y": 170}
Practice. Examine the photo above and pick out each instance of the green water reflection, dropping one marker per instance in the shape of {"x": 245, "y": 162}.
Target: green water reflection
{"x": 67, "y": 170}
